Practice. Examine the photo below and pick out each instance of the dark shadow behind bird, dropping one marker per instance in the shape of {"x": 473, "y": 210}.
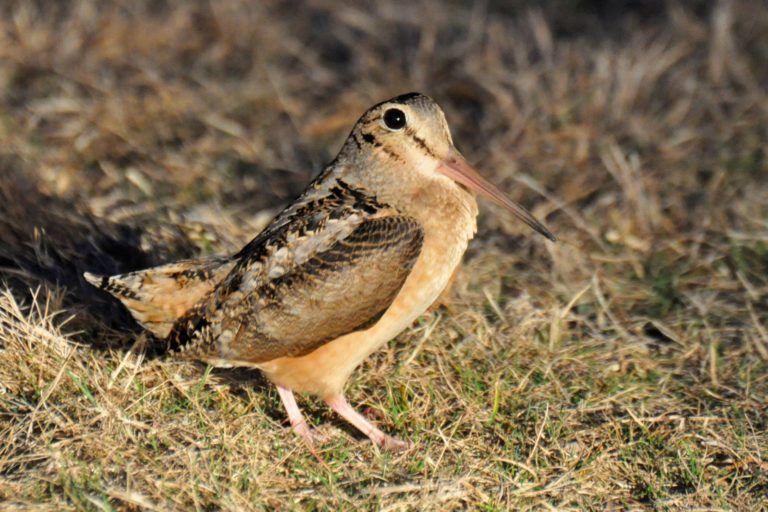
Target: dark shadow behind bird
{"x": 49, "y": 242}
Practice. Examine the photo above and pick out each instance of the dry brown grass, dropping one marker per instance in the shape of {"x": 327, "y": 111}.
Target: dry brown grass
{"x": 625, "y": 367}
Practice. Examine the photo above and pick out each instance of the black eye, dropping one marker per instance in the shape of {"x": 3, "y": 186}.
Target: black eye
{"x": 394, "y": 119}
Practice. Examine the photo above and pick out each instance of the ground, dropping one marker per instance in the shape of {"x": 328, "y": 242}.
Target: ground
{"x": 623, "y": 367}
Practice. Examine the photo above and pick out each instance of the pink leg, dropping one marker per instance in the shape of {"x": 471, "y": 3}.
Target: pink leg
{"x": 339, "y": 404}
{"x": 298, "y": 423}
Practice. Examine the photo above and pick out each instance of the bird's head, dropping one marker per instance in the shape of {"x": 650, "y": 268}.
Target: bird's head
{"x": 410, "y": 133}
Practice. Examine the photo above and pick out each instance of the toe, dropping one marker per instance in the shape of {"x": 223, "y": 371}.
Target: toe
{"x": 394, "y": 444}
{"x": 308, "y": 434}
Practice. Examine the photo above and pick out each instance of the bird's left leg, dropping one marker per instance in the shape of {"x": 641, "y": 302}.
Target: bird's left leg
{"x": 339, "y": 404}
{"x": 298, "y": 423}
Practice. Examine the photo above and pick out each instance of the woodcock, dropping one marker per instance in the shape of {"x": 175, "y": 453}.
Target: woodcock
{"x": 367, "y": 248}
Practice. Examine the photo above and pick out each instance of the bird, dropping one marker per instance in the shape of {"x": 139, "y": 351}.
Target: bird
{"x": 367, "y": 248}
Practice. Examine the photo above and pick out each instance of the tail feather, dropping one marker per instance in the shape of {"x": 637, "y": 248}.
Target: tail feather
{"x": 158, "y": 296}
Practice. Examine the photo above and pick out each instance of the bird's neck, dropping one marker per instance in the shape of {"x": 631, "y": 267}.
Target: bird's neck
{"x": 442, "y": 210}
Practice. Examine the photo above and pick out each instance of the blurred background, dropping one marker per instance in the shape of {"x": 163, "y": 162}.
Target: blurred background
{"x": 136, "y": 132}
{"x": 625, "y": 124}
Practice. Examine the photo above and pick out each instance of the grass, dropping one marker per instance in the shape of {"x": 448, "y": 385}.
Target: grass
{"x": 625, "y": 367}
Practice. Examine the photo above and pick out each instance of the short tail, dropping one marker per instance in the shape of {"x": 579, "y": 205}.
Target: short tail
{"x": 158, "y": 296}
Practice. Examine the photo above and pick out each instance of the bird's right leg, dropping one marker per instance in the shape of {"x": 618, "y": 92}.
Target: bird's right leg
{"x": 339, "y": 404}
{"x": 298, "y": 423}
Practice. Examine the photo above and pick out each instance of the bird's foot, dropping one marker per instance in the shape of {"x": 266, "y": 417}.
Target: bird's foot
{"x": 393, "y": 444}
{"x": 308, "y": 434}
{"x": 339, "y": 404}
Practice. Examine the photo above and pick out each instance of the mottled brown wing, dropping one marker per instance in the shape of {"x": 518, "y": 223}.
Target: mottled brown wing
{"x": 341, "y": 289}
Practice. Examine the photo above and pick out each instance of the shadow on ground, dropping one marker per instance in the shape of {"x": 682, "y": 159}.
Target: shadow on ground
{"x": 49, "y": 242}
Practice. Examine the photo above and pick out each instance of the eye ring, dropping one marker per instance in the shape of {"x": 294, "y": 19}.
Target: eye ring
{"x": 394, "y": 119}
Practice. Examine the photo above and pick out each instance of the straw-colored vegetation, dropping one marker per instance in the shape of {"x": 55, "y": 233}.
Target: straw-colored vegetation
{"x": 624, "y": 367}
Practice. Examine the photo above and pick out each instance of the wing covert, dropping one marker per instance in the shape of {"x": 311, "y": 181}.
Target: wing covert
{"x": 338, "y": 291}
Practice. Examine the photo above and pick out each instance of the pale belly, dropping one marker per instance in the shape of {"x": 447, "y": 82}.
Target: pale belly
{"x": 325, "y": 370}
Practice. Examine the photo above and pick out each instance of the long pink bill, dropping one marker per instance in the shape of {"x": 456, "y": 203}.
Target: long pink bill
{"x": 456, "y": 168}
